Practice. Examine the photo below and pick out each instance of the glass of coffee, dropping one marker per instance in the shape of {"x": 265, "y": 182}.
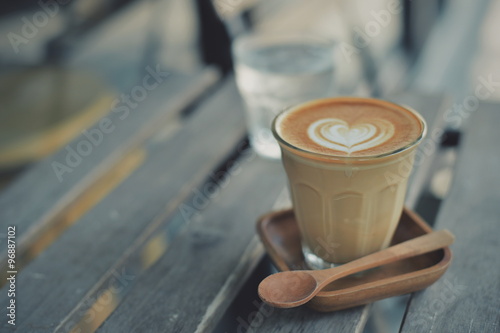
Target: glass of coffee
{"x": 348, "y": 161}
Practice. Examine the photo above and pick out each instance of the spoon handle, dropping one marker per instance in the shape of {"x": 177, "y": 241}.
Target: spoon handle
{"x": 410, "y": 248}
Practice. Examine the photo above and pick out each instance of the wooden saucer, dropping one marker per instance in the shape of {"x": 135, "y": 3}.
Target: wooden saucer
{"x": 280, "y": 234}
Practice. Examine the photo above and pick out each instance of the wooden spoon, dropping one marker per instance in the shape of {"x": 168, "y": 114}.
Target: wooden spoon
{"x": 293, "y": 288}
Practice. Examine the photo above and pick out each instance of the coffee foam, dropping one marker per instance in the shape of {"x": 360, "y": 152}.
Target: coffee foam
{"x": 349, "y": 127}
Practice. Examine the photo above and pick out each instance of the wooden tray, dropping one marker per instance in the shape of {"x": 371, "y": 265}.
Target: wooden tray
{"x": 280, "y": 234}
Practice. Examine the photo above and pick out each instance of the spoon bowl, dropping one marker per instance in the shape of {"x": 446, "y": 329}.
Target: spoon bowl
{"x": 285, "y": 289}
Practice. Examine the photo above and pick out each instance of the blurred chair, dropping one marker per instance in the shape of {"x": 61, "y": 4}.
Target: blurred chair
{"x": 44, "y": 104}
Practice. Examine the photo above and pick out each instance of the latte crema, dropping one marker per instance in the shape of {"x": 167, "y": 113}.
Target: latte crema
{"x": 349, "y": 127}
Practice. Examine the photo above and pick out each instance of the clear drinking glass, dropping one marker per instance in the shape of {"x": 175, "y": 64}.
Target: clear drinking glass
{"x": 276, "y": 71}
{"x": 347, "y": 207}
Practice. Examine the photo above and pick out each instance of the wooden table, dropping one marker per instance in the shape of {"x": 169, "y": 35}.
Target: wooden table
{"x": 154, "y": 229}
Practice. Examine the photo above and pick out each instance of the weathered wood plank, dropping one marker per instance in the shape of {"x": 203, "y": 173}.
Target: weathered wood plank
{"x": 183, "y": 307}
{"x": 192, "y": 285}
{"x": 41, "y": 198}
{"x": 52, "y": 289}
{"x": 467, "y": 297}
{"x": 433, "y": 108}
{"x": 450, "y": 49}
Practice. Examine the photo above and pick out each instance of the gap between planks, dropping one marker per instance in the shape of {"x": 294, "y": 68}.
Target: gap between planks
{"x": 140, "y": 242}
{"x": 69, "y": 209}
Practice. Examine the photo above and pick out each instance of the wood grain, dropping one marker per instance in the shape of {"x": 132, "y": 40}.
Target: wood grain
{"x": 55, "y": 285}
{"x": 183, "y": 307}
{"x": 212, "y": 254}
{"x": 142, "y": 215}
{"x": 467, "y": 297}
{"x": 73, "y": 212}
{"x": 432, "y": 108}
{"x": 38, "y": 197}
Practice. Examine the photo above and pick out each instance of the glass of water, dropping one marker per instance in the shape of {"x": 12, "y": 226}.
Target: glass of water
{"x": 274, "y": 72}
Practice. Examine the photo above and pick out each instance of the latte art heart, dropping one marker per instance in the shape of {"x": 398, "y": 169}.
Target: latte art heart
{"x": 337, "y": 134}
